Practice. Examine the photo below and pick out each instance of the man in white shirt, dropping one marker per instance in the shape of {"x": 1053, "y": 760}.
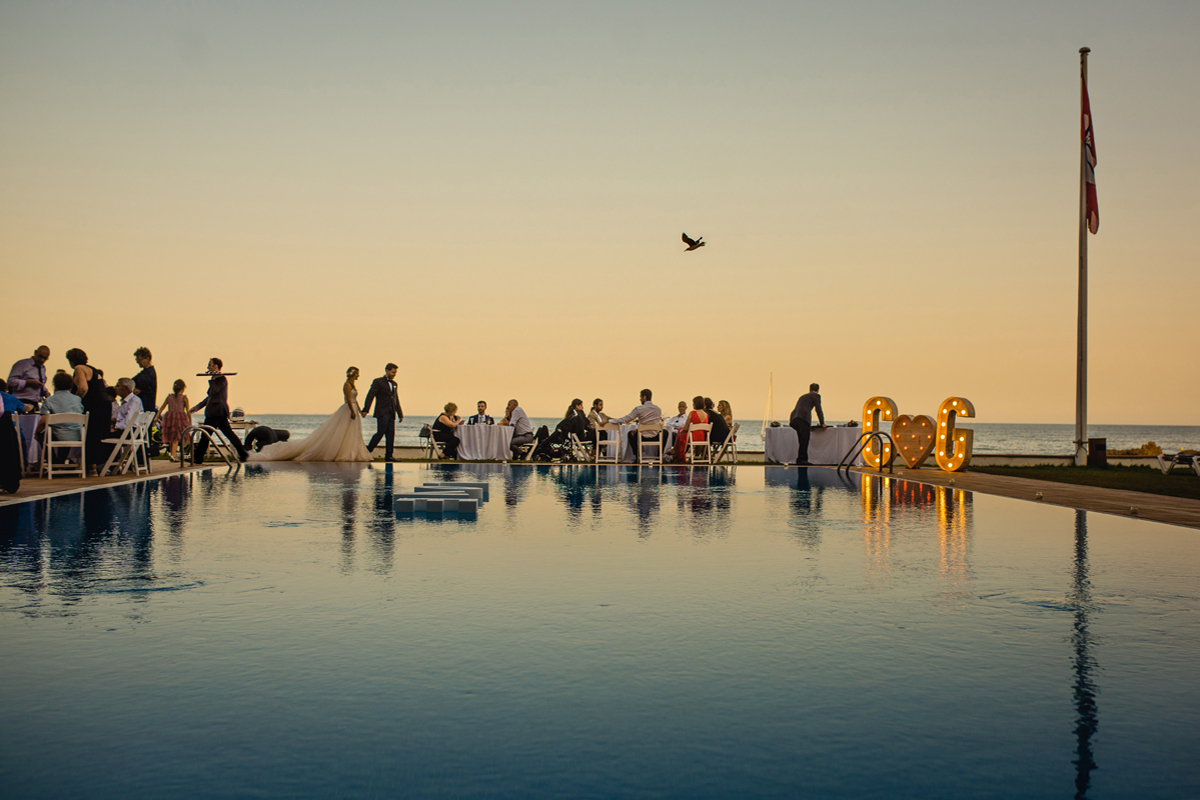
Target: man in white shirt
{"x": 522, "y": 427}
{"x": 645, "y": 414}
{"x": 676, "y": 422}
{"x": 130, "y": 406}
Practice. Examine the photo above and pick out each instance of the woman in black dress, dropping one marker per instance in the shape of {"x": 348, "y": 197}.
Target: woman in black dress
{"x": 90, "y": 387}
{"x": 443, "y": 430}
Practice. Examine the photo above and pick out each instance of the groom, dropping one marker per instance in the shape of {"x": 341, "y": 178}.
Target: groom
{"x": 387, "y": 409}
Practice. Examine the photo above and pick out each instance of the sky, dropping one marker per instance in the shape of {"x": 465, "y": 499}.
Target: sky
{"x": 491, "y": 195}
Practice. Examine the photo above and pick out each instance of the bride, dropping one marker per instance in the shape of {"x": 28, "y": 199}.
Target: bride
{"x": 338, "y": 439}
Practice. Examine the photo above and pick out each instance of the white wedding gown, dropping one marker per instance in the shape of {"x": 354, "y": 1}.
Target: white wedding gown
{"x": 338, "y": 439}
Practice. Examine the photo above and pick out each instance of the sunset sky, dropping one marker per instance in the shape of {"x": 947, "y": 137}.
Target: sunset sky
{"x": 491, "y": 194}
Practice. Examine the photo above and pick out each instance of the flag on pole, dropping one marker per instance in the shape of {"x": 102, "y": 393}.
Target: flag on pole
{"x": 1092, "y": 210}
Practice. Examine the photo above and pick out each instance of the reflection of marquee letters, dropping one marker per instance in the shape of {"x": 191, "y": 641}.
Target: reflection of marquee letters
{"x": 873, "y": 409}
{"x": 916, "y": 437}
{"x": 954, "y": 444}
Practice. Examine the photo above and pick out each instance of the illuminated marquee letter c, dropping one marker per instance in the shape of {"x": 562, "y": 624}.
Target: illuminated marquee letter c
{"x": 873, "y": 410}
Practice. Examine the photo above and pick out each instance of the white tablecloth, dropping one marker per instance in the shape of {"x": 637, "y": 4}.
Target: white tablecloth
{"x": 484, "y": 442}
{"x": 826, "y": 446}
{"x": 33, "y": 448}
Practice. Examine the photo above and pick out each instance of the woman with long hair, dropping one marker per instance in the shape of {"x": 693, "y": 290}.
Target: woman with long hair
{"x": 92, "y": 390}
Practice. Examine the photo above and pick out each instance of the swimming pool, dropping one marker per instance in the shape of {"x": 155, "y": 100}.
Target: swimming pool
{"x": 608, "y": 632}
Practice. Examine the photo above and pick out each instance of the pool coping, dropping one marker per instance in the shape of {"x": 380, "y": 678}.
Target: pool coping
{"x": 1118, "y": 502}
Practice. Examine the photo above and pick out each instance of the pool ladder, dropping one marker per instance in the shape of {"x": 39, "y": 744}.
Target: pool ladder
{"x": 219, "y": 443}
{"x": 864, "y": 440}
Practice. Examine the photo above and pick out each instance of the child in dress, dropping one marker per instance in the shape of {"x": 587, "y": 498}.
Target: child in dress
{"x": 177, "y": 418}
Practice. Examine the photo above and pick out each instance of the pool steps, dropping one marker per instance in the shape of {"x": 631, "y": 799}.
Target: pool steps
{"x": 436, "y": 498}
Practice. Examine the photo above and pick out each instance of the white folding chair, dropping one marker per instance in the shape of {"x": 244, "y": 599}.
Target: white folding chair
{"x": 729, "y": 447}
{"x": 655, "y": 454}
{"x": 525, "y": 451}
{"x": 126, "y": 446}
{"x": 602, "y": 454}
{"x": 50, "y": 444}
{"x": 699, "y": 451}
{"x": 579, "y": 448}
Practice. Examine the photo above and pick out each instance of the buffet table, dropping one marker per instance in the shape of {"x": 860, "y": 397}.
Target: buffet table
{"x": 825, "y": 446}
{"x": 484, "y": 442}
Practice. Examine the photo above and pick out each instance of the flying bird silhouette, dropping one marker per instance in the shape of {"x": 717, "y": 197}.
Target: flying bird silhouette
{"x": 693, "y": 243}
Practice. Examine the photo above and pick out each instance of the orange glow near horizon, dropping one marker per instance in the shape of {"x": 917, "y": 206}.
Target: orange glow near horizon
{"x": 493, "y": 199}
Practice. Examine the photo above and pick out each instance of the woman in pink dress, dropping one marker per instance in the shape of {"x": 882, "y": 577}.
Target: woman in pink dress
{"x": 698, "y": 416}
{"x": 177, "y": 418}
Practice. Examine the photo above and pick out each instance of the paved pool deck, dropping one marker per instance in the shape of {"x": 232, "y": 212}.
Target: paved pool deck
{"x": 1172, "y": 510}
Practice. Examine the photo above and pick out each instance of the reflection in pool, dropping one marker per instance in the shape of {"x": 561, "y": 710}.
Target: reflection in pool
{"x": 595, "y": 632}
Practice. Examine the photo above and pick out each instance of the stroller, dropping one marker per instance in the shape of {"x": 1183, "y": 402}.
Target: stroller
{"x": 559, "y": 446}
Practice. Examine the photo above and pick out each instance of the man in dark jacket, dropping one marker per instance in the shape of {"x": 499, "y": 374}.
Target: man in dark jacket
{"x": 387, "y": 410}
{"x": 801, "y": 420}
{"x": 216, "y": 412}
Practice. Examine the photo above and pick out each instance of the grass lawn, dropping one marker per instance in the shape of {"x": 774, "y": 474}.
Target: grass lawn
{"x": 1134, "y": 479}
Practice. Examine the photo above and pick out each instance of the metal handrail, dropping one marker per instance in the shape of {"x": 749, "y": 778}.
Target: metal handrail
{"x": 870, "y": 436}
{"x": 220, "y": 443}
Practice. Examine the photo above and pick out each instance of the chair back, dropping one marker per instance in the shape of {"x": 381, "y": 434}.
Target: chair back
{"x": 729, "y": 447}
{"x": 608, "y": 443}
{"x": 50, "y": 444}
{"x": 650, "y": 451}
{"x": 699, "y": 451}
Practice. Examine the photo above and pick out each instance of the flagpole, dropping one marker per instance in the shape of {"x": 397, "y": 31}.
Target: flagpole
{"x": 1081, "y": 453}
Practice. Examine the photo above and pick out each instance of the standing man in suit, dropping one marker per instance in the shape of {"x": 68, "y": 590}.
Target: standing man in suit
{"x": 801, "y": 420}
{"x": 387, "y": 410}
{"x": 216, "y": 412}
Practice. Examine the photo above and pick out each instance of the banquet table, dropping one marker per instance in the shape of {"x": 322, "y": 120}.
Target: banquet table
{"x": 825, "y": 446}
{"x": 27, "y": 424}
{"x": 484, "y": 442}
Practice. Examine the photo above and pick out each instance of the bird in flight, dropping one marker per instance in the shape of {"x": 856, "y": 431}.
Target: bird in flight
{"x": 693, "y": 243}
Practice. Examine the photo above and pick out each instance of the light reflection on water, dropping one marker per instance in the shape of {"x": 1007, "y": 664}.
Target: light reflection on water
{"x": 596, "y": 631}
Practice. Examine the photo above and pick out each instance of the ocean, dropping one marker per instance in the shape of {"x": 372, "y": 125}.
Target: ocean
{"x": 990, "y": 437}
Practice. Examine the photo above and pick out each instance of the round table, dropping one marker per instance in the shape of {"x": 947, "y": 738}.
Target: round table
{"x": 484, "y": 442}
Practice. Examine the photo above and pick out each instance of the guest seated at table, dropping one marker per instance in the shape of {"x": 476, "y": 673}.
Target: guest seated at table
{"x": 443, "y": 430}
{"x": 698, "y": 417}
{"x": 522, "y": 427}
{"x": 676, "y": 422}
{"x": 11, "y": 467}
{"x": 720, "y": 429}
{"x": 645, "y": 414}
{"x": 62, "y": 402}
{"x": 131, "y": 405}
{"x": 481, "y": 418}
{"x": 726, "y": 411}
{"x": 574, "y": 421}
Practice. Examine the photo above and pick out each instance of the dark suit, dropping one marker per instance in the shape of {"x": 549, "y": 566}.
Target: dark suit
{"x": 801, "y": 422}
{"x": 216, "y": 415}
{"x": 387, "y": 409}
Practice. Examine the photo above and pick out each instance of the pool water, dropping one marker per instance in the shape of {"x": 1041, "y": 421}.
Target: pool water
{"x": 729, "y": 632}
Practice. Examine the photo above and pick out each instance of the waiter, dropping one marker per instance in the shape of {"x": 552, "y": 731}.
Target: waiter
{"x": 27, "y": 379}
{"x": 801, "y": 421}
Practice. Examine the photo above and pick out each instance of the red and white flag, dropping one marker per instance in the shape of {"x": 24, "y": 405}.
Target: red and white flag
{"x": 1091, "y": 210}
